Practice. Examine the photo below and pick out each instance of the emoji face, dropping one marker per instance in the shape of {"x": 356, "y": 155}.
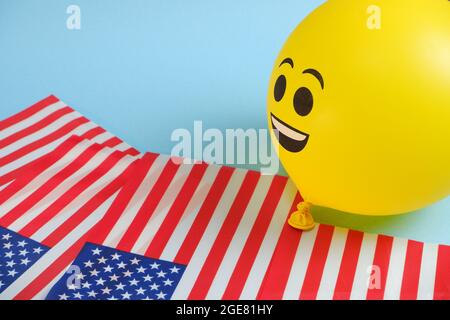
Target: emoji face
{"x": 359, "y": 116}
{"x": 290, "y": 138}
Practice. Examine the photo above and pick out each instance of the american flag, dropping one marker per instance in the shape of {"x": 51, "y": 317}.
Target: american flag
{"x": 224, "y": 227}
{"x": 228, "y": 226}
{"x": 61, "y": 196}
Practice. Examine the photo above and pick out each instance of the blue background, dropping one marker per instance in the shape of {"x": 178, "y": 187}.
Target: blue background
{"x": 144, "y": 68}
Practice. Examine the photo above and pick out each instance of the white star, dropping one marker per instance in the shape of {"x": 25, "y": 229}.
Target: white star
{"x": 25, "y": 261}
{"x": 78, "y": 295}
{"x": 135, "y": 261}
{"x": 134, "y": 282}
{"x": 23, "y": 252}
{"x": 86, "y": 285}
{"x": 102, "y": 260}
{"x": 12, "y": 273}
{"x": 174, "y": 269}
{"x": 80, "y": 276}
{"x": 106, "y": 290}
{"x": 92, "y": 293}
{"x": 126, "y": 295}
{"x": 161, "y": 295}
{"x": 7, "y": 245}
{"x": 161, "y": 274}
{"x": 22, "y": 243}
{"x": 63, "y": 296}
{"x": 94, "y": 273}
{"x": 148, "y": 278}
{"x": 154, "y": 286}
{"x": 147, "y": 298}
{"x": 1, "y": 284}
{"x": 141, "y": 269}
{"x": 154, "y": 265}
{"x": 10, "y": 264}
{"x": 120, "y": 286}
{"x": 140, "y": 291}
{"x": 114, "y": 277}
{"x": 37, "y": 250}
{"x": 115, "y": 256}
{"x": 72, "y": 286}
{"x": 108, "y": 268}
{"x": 127, "y": 273}
{"x": 121, "y": 265}
{"x": 100, "y": 282}
{"x": 168, "y": 282}
{"x": 112, "y": 298}
{"x": 96, "y": 252}
{"x": 9, "y": 254}
{"x": 6, "y": 237}
{"x": 88, "y": 264}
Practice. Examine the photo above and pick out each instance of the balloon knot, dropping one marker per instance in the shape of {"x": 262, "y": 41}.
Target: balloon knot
{"x": 302, "y": 219}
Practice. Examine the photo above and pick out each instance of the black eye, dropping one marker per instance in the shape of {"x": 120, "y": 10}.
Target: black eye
{"x": 303, "y": 101}
{"x": 280, "y": 88}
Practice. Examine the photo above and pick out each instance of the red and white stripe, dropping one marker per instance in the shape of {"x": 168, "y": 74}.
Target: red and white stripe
{"x": 37, "y": 130}
{"x": 57, "y": 204}
{"x": 336, "y": 263}
{"x": 228, "y": 226}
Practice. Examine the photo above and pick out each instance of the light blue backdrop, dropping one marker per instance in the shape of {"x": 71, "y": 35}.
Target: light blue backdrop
{"x": 143, "y": 68}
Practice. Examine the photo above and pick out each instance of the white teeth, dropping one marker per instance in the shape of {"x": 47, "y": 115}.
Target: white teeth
{"x": 288, "y": 131}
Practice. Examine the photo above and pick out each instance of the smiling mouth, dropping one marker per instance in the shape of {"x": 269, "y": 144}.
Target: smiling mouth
{"x": 289, "y": 138}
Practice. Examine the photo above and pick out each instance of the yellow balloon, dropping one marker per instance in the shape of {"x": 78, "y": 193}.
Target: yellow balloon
{"x": 359, "y": 105}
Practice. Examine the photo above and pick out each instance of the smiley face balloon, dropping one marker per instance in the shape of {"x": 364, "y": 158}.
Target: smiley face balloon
{"x": 359, "y": 105}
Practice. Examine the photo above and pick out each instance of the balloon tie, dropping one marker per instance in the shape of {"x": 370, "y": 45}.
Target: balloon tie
{"x": 302, "y": 219}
